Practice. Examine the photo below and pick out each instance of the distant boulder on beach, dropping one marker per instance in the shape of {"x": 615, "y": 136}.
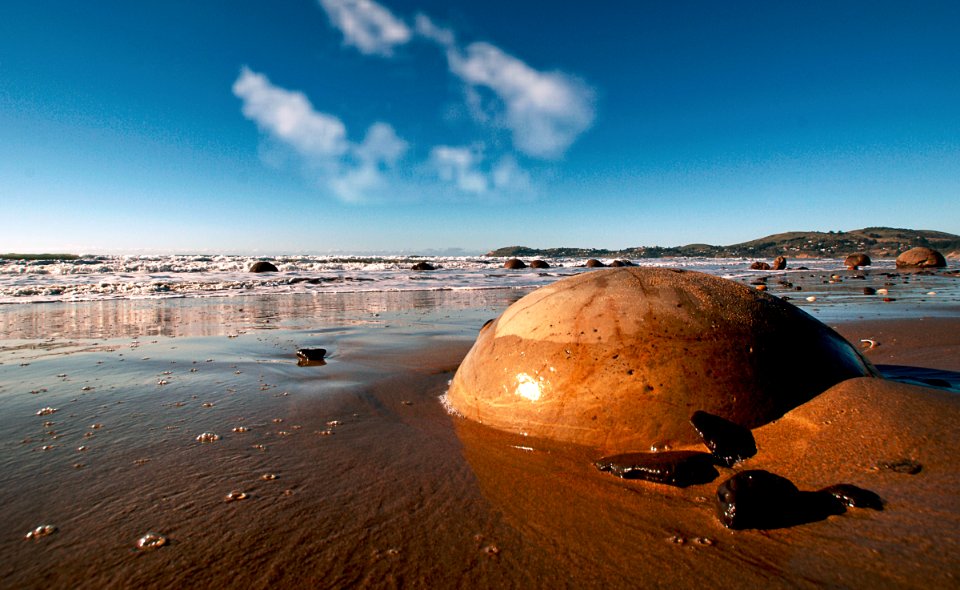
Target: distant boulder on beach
{"x": 921, "y": 257}
{"x": 594, "y": 263}
{"x": 758, "y": 265}
{"x": 263, "y": 266}
{"x": 539, "y": 264}
{"x": 514, "y": 264}
{"x": 423, "y": 266}
{"x": 857, "y": 260}
{"x": 779, "y": 263}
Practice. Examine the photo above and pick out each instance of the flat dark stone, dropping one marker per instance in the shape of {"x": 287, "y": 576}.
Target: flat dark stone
{"x": 908, "y": 466}
{"x": 676, "y": 468}
{"x": 854, "y": 496}
{"x": 729, "y": 442}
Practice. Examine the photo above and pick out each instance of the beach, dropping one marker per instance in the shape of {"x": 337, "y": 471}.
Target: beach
{"x": 352, "y": 472}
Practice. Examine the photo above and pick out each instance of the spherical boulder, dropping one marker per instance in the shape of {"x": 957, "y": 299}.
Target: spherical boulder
{"x": 779, "y": 263}
{"x": 855, "y": 261}
{"x": 921, "y": 257}
{"x": 758, "y": 265}
{"x": 619, "y": 359}
{"x": 263, "y": 266}
{"x": 423, "y": 266}
{"x": 514, "y": 263}
{"x": 594, "y": 263}
{"x": 539, "y": 264}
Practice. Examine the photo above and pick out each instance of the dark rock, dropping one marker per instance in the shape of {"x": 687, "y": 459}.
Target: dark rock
{"x": 514, "y": 264}
{"x": 908, "y": 466}
{"x": 619, "y": 263}
{"x": 779, "y": 263}
{"x": 423, "y": 266}
{"x": 760, "y": 266}
{"x": 921, "y": 257}
{"x": 539, "y": 264}
{"x": 854, "y": 497}
{"x": 855, "y": 261}
{"x": 676, "y": 468}
{"x": 311, "y": 356}
{"x": 729, "y": 442}
{"x": 594, "y": 263}
{"x": 263, "y": 266}
{"x": 758, "y": 499}
{"x": 869, "y": 291}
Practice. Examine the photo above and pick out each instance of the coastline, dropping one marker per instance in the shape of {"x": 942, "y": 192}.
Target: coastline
{"x": 376, "y": 485}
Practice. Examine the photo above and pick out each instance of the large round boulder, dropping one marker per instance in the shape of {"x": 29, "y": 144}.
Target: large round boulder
{"x": 514, "y": 264}
{"x": 594, "y": 263}
{"x": 263, "y": 266}
{"x": 619, "y": 359}
{"x": 921, "y": 257}
{"x": 539, "y": 264}
{"x": 855, "y": 261}
{"x": 779, "y": 263}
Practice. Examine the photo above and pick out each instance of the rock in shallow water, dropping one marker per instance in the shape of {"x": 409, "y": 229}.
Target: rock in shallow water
{"x": 729, "y": 442}
{"x": 263, "y": 266}
{"x": 616, "y": 359}
{"x": 677, "y": 468}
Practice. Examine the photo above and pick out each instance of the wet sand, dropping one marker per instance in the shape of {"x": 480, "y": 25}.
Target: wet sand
{"x": 376, "y": 485}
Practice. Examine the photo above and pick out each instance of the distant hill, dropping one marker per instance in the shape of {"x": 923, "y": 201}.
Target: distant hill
{"x": 878, "y": 242}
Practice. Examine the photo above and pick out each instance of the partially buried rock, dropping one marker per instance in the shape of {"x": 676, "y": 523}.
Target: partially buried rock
{"x": 514, "y": 264}
{"x": 854, "y": 496}
{"x": 263, "y": 266}
{"x": 779, "y": 263}
{"x": 759, "y": 266}
{"x": 311, "y": 356}
{"x": 423, "y": 266}
{"x": 756, "y": 499}
{"x": 729, "y": 442}
{"x": 612, "y": 359}
{"x": 539, "y": 264}
{"x": 676, "y": 468}
{"x": 854, "y": 261}
{"x": 594, "y": 263}
{"x": 619, "y": 263}
{"x": 921, "y": 257}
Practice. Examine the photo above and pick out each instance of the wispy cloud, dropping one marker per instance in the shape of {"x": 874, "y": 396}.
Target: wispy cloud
{"x": 353, "y": 171}
{"x": 289, "y": 117}
{"x": 467, "y": 169}
{"x": 545, "y": 111}
{"x": 459, "y": 165}
{"x": 366, "y": 25}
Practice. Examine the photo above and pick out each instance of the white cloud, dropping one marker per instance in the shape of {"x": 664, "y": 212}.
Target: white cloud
{"x": 545, "y": 111}
{"x": 366, "y": 25}
{"x": 459, "y": 165}
{"x": 509, "y": 177}
{"x": 289, "y": 116}
{"x": 381, "y": 145}
{"x": 351, "y": 170}
{"x": 425, "y": 27}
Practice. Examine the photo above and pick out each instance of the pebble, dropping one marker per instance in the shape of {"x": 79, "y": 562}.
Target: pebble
{"x": 46, "y": 411}
{"x": 235, "y": 496}
{"x": 241, "y": 429}
{"x": 268, "y": 476}
{"x": 151, "y": 541}
{"x": 41, "y": 531}
{"x": 208, "y": 437}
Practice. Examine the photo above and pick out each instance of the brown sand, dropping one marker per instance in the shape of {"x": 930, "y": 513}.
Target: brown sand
{"x": 403, "y": 494}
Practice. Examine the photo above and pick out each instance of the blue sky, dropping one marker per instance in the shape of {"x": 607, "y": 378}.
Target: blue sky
{"x": 335, "y": 125}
